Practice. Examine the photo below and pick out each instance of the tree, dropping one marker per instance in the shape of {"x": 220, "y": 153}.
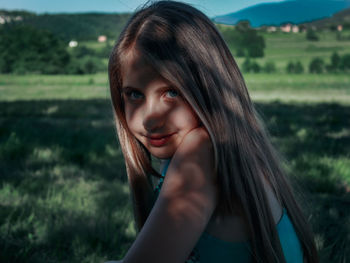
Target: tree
{"x": 316, "y": 66}
{"x": 256, "y": 47}
{"x": 244, "y": 39}
{"x": 311, "y": 35}
{"x": 249, "y": 39}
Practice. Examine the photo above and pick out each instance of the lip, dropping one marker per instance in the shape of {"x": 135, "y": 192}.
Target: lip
{"x": 159, "y": 139}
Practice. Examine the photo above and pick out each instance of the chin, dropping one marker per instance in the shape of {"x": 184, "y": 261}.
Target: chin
{"x": 162, "y": 154}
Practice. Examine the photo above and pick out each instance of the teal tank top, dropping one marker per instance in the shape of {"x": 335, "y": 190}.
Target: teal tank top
{"x": 210, "y": 249}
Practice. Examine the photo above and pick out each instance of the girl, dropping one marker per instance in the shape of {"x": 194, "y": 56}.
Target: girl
{"x": 179, "y": 96}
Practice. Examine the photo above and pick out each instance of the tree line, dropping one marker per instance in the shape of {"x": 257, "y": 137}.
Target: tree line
{"x": 25, "y": 49}
{"x": 317, "y": 65}
{"x": 87, "y": 26}
{"x": 28, "y": 49}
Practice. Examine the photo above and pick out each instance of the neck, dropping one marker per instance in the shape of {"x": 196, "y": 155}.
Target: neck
{"x": 163, "y": 162}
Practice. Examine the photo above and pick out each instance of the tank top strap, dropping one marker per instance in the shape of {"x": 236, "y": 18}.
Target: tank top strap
{"x": 163, "y": 167}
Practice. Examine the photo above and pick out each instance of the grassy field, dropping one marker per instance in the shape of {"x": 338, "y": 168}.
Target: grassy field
{"x": 282, "y": 48}
{"x": 263, "y": 87}
{"x": 63, "y": 190}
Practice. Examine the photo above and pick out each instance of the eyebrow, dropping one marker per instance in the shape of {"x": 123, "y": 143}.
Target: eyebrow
{"x": 160, "y": 87}
{"x": 127, "y": 87}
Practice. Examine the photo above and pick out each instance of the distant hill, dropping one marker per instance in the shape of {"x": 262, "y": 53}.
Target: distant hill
{"x": 296, "y": 11}
{"x": 84, "y": 26}
{"x": 340, "y": 18}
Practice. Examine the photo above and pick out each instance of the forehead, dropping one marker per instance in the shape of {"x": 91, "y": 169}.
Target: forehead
{"x": 136, "y": 71}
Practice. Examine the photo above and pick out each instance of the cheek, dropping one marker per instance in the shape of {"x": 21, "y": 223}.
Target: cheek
{"x": 131, "y": 117}
{"x": 186, "y": 118}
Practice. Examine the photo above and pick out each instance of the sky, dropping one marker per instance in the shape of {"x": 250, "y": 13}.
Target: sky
{"x": 210, "y": 7}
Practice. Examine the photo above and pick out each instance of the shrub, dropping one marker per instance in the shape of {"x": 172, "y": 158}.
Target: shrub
{"x": 333, "y": 28}
{"x": 250, "y": 66}
{"x": 339, "y": 36}
{"x": 295, "y": 68}
{"x": 269, "y": 67}
{"x": 335, "y": 63}
{"x": 335, "y": 60}
{"x": 316, "y": 66}
{"x": 246, "y": 65}
{"x": 240, "y": 52}
{"x": 344, "y": 63}
{"x": 90, "y": 65}
{"x": 83, "y": 51}
{"x": 290, "y": 68}
{"x": 298, "y": 68}
{"x": 254, "y": 67}
{"x": 105, "y": 52}
{"x": 85, "y": 65}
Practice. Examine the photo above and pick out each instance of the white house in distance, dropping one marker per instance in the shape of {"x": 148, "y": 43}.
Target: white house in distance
{"x": 286, "y": 28}
{"x": 295, "y": 29}
{"x": 271, "y": 29}
{"x": 7, "y": 19}
{"x": 73, "y": 43}
{"x": 102, "y": 39}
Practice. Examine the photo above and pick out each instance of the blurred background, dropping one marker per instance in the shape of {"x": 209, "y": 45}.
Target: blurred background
{"x": 64, "y": 195}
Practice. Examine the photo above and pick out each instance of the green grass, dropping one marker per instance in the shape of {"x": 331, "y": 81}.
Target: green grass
{"x": 34, "y": 87}
{"x": 262, "y": 87}
{"x": 64, "y": 195}
{"x": 63, "y": 191}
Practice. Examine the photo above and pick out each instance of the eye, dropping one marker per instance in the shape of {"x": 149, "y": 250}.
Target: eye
{"x": 133, "y": 94}
{"x": 172, "y": 93}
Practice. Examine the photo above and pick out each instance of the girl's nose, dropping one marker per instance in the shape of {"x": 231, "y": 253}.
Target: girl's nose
{"x": 154, "y": 116}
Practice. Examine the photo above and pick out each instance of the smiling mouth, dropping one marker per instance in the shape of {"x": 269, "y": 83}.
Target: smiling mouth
{"x": 158, "y": 140}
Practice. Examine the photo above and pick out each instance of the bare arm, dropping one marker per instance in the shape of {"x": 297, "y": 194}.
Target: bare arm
{"x": 184, "y": 206}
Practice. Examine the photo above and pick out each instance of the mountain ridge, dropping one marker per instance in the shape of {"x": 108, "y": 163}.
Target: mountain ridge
{"x": 292, "y": 11}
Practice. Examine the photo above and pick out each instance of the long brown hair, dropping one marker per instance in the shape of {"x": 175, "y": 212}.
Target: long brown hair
{"x": 185, "y": 48}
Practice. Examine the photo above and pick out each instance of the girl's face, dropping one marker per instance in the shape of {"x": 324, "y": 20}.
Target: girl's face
{"x": 156, "y": 113}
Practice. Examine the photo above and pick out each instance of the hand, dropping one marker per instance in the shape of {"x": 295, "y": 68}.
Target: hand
{"x": 197, "y": 146}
